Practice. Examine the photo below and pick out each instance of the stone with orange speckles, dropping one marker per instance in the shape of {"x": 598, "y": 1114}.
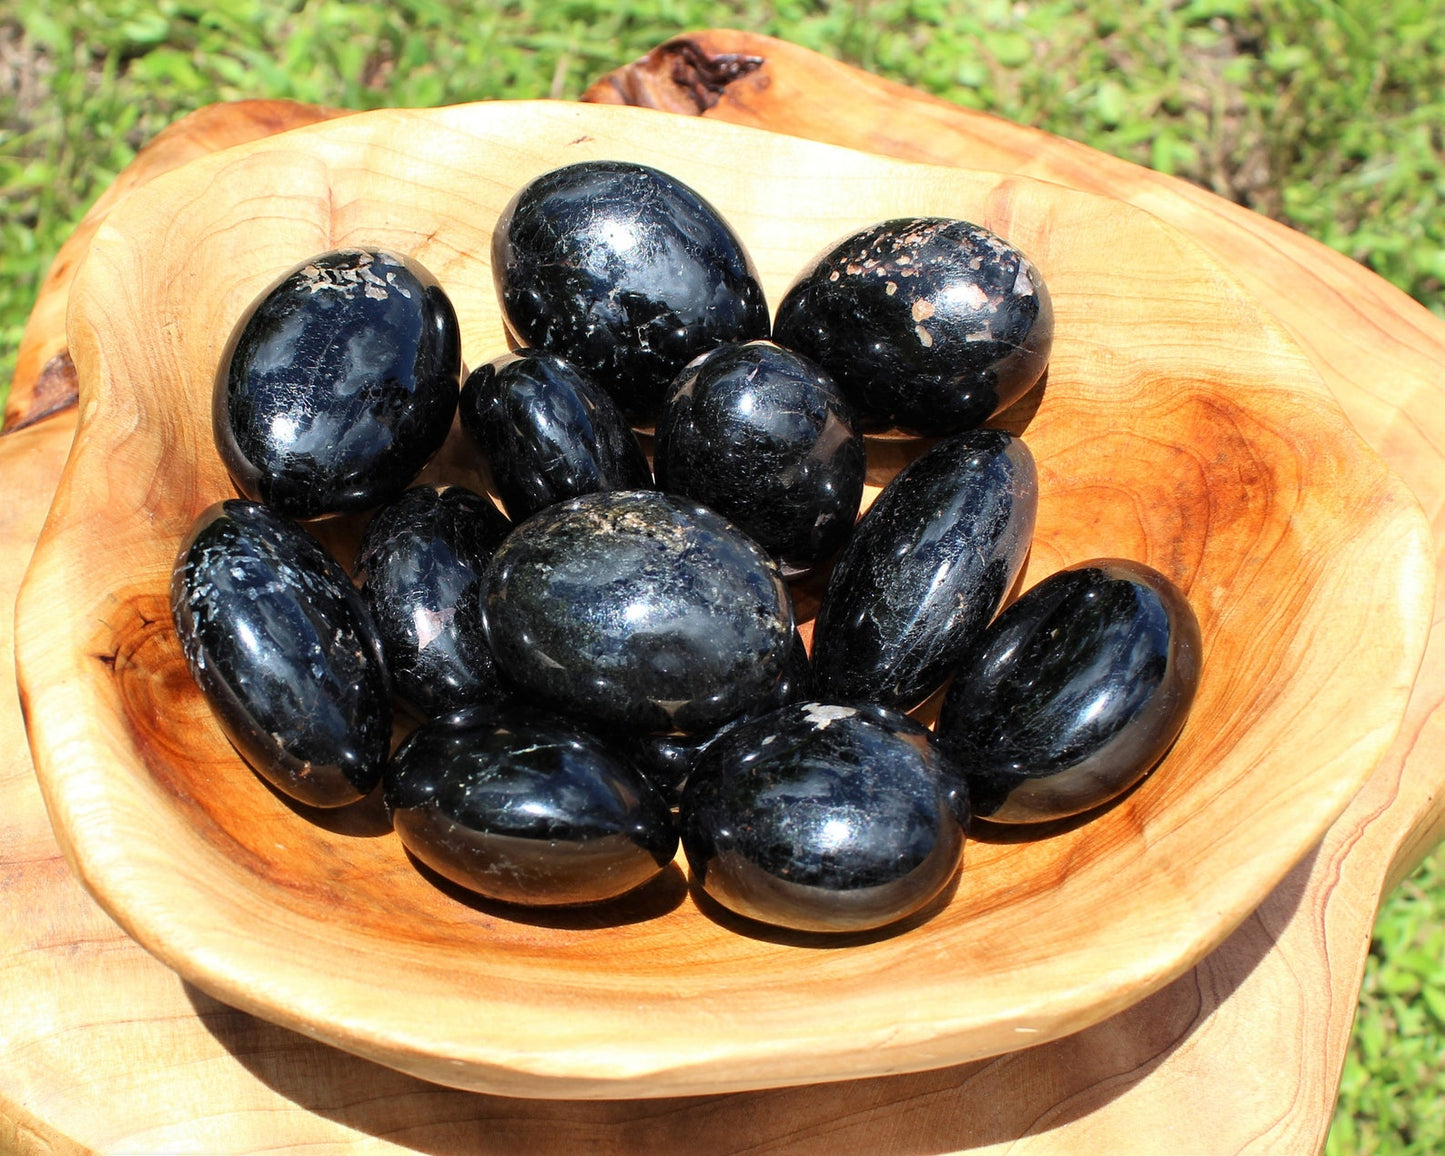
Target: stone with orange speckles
{"x": 928, "y": 324}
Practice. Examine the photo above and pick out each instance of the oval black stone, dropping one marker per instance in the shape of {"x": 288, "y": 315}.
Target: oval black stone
{"x": 548, "y": 433}
{"x": 283, "y": 648}
{"x": 627, "y": 273}
{"x": 524, "y": 808}
{"x": 763, "y": 436}
{"x": 1074, "y": 692}
{"x": 640, "y": 608}
{"x": 823, "y": 818}
{"x": 339, "y": 384}
{"x": 420, "y": 567}
{"x": 926, "y": 569}
{"x": 925, "y": 323}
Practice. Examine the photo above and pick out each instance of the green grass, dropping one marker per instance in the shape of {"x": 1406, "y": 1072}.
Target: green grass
{"x": 1330, "y": 116}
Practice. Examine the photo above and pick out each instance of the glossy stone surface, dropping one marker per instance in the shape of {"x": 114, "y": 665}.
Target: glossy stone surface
{"x": 926, "y": 569}
{"x": 339, "y": 384}
{"x": 548, "y": 432}
{"x": 526, "y": 808}
{"x": 420, "y": 567}
{"x": 1074, "y": 692}
{"x": 763, "y": 436}
{"x": 627, "y": 273}
{"x": 823, "y": 818}
{"x": 640, "y": 608}
{"x": 283, "y": 648}
{"x": 667, "y": 759}
{"x": 926, "y": 323}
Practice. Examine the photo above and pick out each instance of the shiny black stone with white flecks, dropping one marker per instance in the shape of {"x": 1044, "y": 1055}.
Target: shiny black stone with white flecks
{"x": 526, "y": 808}
{"x": 763, "y": 436}
{"x": 339, "y": 384}
{"x": 283, "y": 648}
{"x": 640, "y": 608}
{"x": 420, "y": 567}
{"x": 926, "y": 569}
{"x": 667, "y": 759}
{"x": 1074, "y": 692}
{"x": 823, "y": 818}
{"x": 627, "y": 273}
{"x": 548, "y": 432}
{"x": 926, "y": 323}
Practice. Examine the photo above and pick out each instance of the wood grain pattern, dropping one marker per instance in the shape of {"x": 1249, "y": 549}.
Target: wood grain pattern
{"x": 106, "y": 1049}
{"x": 1349, "y": 323}
{"x": 1233, "y": 472}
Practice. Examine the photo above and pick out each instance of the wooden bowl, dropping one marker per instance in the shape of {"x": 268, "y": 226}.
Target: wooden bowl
{"x": 1178, "y": 426}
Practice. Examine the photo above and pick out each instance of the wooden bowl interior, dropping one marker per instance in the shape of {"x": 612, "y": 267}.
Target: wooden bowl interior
{"x": 1177, "y": 426}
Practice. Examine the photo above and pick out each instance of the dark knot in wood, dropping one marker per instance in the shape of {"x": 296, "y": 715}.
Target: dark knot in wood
{"x": 680, "y": 76}
{"x": 57, "y": 388}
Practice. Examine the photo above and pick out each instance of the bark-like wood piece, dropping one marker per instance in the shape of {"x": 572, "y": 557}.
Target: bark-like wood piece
{"x": 1178, "y": 426}
{"x": 105, "y": 1048}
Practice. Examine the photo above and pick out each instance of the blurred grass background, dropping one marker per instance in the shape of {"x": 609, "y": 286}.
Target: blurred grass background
{"x": 1326, "y": 114}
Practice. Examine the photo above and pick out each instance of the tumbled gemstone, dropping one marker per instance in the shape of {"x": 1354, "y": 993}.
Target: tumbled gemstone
{"x": 283, "y": 648}
{"x": 926, "y": 569}
{"x": 926, "y": 323}
{"x": 548, "y": 433}
{"x": 526, "y": 808}
{"x": 420, "y": 567}
{"x": 627, "y": 273}
{"x": 1074, "y": 692}
{"x": 763, "y": 436}
{"x": 823, "y": 818}
{"x": 339, "y": 384}
{"x": 640, "y": 608}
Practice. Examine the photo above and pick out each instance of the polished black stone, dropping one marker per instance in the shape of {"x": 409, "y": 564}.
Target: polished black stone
{"x": 548, "y": 433}
{"x": 627, "y": 273}
{"x": 823, "y": 818}
{"x": 763, "y": 436}
{"x": 526, "y": 808}
{"x": 667, "y": 759}
{"x": 926, "y": 323}
{"x": 641, "y": 608}
{"x": 283, "y": 648}
{"x": 927, "y": 568}
{"x": 420, "y": 567}
{"x": 1074, "y": 692}
{"x": 339, "y": 384}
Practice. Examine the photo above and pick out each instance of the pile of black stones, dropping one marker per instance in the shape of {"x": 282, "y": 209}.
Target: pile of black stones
{"x": 613, "y": 665}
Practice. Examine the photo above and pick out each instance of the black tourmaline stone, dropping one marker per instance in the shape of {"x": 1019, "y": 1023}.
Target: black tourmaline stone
{"x": 525, "y": 808}
{"x": 926, "y": 323}
{"x": 926, "y": 570}
{"x": 625, "y": 272}
{"x": 824, "y": 818}
{"x": 548, "y": 433}
{"x": 667, "y": 759}
{"x": 763, "y": 436}
{"x": 339, "y": 384}
{"x": 420, "y": 569}
{"x": 284, "y": 650}
{"x": 1074, "y": 692}
{"x": 639, "y": 608}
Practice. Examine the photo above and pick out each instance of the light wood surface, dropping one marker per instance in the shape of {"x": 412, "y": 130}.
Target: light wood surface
{"x": 1178, "y": 427}
{"x": 1276, "y": 996}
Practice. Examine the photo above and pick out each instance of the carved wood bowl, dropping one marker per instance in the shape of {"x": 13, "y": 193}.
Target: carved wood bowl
{"x": 1178, "y": 426}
